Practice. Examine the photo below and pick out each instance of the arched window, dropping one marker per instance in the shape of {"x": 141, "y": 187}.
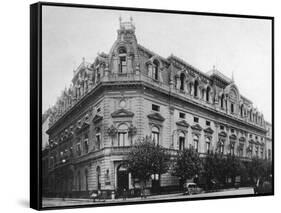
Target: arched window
{"x": 155, "y": 73}
{"x": 208, "y": 145}
{"x": 86, "y": 179}
{"x": 155, "y": 134}
{"x": 222, "y": 101}
{"x": 196, "y": 142}
{"x": 182, "y": 78}
{"x": 181, "y": 141}
{"x": 241, "y": 110}
{"x": 122, "y": 60}
{"x": 208, "y": 94}
{"x": 98, "y": 178}
{"x": 196, "y": 88}
{"x": 123, "y": 135}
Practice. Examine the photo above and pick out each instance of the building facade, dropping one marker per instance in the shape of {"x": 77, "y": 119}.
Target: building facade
{"x": 268, "y": 140}
{"x": 130, "y": 93}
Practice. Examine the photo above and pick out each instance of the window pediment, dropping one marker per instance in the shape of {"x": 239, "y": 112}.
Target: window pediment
{"x": 97, "y": 119}
{"x": 242, "y": 139}
{"x": 234, "y": 137}
{"x": 182, "y": 123}
{"x": 196, "y": 127}
{"x": 209, "y": 130}
{"x": 156, "y": 116}
{"x": 122, "y": 113}
{"x": 223, "y": 134}
{"x": 82, "y": 126}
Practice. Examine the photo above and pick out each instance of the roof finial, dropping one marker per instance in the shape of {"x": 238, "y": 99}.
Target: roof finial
{"x": 214, "y": 67}
{"x": 232, "y": 77}
{"x": 131, "y": 19}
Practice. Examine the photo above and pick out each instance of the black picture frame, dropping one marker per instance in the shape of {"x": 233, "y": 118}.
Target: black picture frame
{"x": 36, "y": 101}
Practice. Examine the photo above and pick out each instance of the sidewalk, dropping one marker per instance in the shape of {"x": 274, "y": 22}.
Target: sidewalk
{"x": 151, "y": 197}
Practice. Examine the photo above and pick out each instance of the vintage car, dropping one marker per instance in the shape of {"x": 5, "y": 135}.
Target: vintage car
{"x": 191, "y": 188}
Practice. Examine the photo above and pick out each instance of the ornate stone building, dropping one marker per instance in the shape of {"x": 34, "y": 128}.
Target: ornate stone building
{"x": 268, "y": 140}
{"x": 132, "y": 92}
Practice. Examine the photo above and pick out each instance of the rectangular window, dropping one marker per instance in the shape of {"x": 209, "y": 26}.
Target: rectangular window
{"x": 196, "y": 119}
{"x": 232, "y": 130}
{"x": 155, "y": 107}
{"x": 155, "y": 137}
{"x": 98, "y": 109}
{"x": 222, "y": 127}
{"x": 181, "y": 143}
{"x": 122, "y": 139}
{"x": 182, "y": 115}
{"x": 208, "y": 123}
{"x": 123, "y": 64}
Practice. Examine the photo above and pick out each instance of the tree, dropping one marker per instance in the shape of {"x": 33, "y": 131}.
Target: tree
{"x": 187, "y": 165}
{"x": 147, "y": 158}
{"x": 214, "y": 166}
{"x": 234, "y": 167}
{"x": 259, "y": 168}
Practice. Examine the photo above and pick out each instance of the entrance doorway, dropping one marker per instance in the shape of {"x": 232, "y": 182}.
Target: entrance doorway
{"x": 155, "y": 183}
{"x": 122, "y": 180}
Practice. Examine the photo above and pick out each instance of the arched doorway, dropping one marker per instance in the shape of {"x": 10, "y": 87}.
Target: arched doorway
{"x": 122, "y": 179}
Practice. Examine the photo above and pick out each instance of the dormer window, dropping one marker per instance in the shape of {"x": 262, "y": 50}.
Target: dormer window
{"x": 155, "y": 73}
{"x": 122, "y": 60}
{"x": 196, "y": 88}
{"x": 208, "y": 94}
{"x": 182, "y": 78}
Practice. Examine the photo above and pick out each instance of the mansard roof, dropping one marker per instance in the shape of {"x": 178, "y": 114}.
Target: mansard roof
{"x": 215, "y": 73}
{"x": 152, "y": 53}
{"x": 181, "y": 61}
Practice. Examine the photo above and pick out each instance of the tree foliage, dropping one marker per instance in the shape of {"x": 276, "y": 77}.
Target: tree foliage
{"x": 147, "y": 158}
{"x": 258, "y": 167}
{"x": 187, "y": 164}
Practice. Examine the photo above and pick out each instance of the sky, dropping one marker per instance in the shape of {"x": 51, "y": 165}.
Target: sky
{"x": 238, "y": 46}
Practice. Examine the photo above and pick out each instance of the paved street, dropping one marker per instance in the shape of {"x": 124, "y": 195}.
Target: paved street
{"x": 51, "y": 202}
